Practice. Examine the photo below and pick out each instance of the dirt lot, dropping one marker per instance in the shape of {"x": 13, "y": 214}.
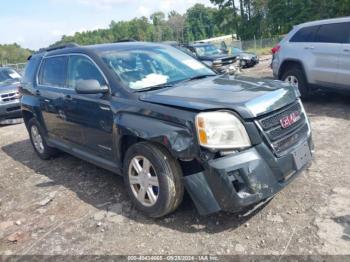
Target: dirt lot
{"x": 67, "y": 206}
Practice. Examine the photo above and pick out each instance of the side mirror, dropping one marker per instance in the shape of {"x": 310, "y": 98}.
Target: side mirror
{"x": 90, "y": 86}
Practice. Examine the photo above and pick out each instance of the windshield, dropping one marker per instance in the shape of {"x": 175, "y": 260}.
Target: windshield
{"x": 8, "y": 76}
{"x": 207, "y": 50}
{"x": 147, "y": 67}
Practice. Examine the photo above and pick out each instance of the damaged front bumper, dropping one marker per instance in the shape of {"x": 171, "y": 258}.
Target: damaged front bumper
{"x": 241, "y": 180}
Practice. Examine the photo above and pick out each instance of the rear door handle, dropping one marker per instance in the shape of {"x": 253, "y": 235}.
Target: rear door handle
{"x": 37, "y": 92}
{"x": 309, "y": 47}
{"x": 346, "y": 50}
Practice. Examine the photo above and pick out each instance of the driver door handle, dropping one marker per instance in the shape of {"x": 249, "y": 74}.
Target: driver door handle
{"x": 346, "y": 50}
{"x": 309, "y": 47}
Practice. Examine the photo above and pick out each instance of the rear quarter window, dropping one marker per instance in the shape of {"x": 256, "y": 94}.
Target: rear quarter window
{"x": 30, "y": 69}
{"x": 305, "y": 35}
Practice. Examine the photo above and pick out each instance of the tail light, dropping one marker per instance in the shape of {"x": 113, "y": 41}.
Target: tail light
{"x": 276, "y": 49}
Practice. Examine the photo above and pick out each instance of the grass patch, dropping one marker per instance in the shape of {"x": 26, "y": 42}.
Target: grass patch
{"x": 260, "y": 51}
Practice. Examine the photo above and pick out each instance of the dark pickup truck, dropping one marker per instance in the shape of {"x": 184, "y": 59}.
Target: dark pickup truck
{"x": 167, "y": 124}
{"x": 213, "y": 57}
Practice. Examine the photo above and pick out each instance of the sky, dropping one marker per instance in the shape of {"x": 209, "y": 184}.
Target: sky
{"x": 38, "y": 23}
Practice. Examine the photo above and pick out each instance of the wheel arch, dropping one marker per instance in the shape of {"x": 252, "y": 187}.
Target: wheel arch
{"x": 289, "y": 63}
{"x": 132, "y": 129}
{"x": 27, "y": 115}
{"x": 30, "y": 107}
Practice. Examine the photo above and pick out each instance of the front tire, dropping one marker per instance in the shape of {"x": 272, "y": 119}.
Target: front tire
{"x": 38, "y": 141}
{"x": 153, "y": 179}
{"x": 243, "y": 63}
{"x": 296, "y": 78}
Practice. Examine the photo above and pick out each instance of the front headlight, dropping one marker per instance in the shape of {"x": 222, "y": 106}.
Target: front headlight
{"x": 221, "y": 130}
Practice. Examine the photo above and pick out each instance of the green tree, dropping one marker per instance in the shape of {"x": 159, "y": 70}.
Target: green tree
{"x": 176, "y": 23}
{"x": 200, "y": 22}
{"x": 13, "y": 53}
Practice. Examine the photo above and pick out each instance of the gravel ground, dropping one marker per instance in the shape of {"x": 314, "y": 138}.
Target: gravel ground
{"x": 68, "y": 206}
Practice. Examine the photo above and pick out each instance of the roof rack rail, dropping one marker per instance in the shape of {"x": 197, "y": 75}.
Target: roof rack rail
{"x": 68, "y": 45}
{"x": 57, "y": 47}
{"x": 125, "y": 40}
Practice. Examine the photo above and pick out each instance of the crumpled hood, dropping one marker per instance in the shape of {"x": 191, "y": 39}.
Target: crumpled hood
{"x": 250, "y": 97}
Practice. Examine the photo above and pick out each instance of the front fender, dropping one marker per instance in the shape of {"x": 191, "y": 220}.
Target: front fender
{"x": 178, "y": 139}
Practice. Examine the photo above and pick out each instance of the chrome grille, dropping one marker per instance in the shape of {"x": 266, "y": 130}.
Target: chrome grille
{"x": 228, "y": 61}
{"x": 9, "y": 97}
{"x": 281, "y": 139}
{"x": 274, "y": 120}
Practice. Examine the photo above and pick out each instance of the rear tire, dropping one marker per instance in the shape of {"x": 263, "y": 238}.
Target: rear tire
{"x": 38, "y": 140}
{"x": 295, "y": 77}
{"x": 153, "y": 179}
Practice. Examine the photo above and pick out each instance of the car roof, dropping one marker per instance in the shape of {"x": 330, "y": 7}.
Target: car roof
{"x": 326, "y": 21}
{"x": 100, "y": 48}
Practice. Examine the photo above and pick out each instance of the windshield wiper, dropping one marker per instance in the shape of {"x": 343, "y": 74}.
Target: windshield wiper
{"x": 156, "y": 87}
{"x": 198, "y": 77}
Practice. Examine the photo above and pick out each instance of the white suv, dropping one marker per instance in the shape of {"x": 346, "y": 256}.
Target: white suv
{"x": 315, "y": 54}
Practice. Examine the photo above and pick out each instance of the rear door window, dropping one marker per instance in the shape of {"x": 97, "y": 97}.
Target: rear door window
{"x": 333, "y": 33}
{"x": 305, "y": 35}
{"x": 53, "y": 71}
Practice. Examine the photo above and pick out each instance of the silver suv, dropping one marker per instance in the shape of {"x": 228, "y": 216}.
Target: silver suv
{"x": 315, "y": 54}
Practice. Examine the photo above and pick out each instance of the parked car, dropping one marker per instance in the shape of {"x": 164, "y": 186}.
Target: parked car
{"x": 315, "y": 54}
{"x": 213, "y": 57}
{"x": 179, "y": 46}
{"x": 166, "y": 122}
{"x": 10, "y": 109}
{"x": 246, "y": 59}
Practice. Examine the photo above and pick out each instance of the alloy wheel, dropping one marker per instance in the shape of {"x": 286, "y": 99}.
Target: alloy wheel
{"x": 143, "y": 181}
{"x": 37, "y": 139}
{"x": 293, "y": 81}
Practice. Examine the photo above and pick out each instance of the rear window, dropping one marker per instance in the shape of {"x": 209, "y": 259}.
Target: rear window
{"x": 305, "y": 35}
{"x": 53, "y": 71}
{"x": 333, "y": 33}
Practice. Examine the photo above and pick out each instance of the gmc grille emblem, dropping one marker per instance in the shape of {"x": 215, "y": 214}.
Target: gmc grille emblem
{"x": 289, "y": 120}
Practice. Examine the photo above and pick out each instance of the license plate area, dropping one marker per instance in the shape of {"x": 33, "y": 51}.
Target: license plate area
{"x": 302, "y": 155}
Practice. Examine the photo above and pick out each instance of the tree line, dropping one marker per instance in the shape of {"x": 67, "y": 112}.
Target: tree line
{"x": 13, "y": 53}
{"x": 248, "y": 19}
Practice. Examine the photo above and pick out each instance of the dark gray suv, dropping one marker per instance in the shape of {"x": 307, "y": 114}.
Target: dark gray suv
{"x": 166, "y": 123}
